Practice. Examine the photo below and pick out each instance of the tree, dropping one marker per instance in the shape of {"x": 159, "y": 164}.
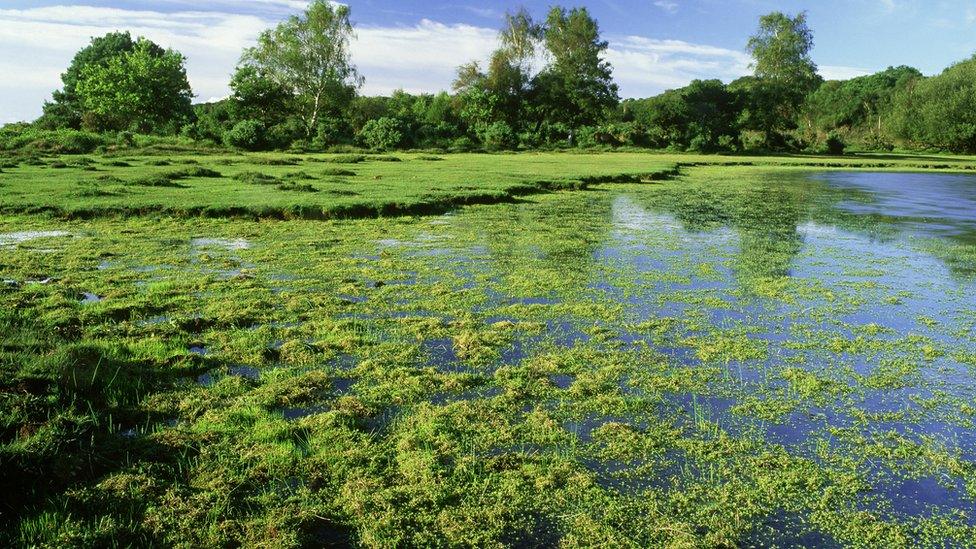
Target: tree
{"x": 712, "y": 114}
{"x": 309, "y": 56}
{"x": 66, "y": 109}
{"x": 785, "y": 73}
{"x": 859, "y": 107}
{"x": 256, "y": 96}
{"x": 144, "y": 90}
{"x": 941, "y": 111}
{"x": 500, "y": 94}
{"x": 576, "y": 88}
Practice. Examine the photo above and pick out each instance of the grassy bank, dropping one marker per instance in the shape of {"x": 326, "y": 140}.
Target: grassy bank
{"x": 348, "y": 186}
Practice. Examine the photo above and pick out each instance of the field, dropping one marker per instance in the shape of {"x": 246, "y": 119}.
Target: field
{"x": 623, "y": 349}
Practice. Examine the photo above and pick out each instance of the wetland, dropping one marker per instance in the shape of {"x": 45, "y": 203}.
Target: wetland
{"x": 639, "y": 354}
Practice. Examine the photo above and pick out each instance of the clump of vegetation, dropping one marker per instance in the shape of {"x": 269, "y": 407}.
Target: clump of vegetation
{"x": 256, "y": 178}
{"x": 172, "y": 178}
{"x": 298, "y": 176}
{"x": 158, "y": 180}
{"x": 344, "y": 159}
{"x": 338, "y": 172}
{"x": 298, "y": 187}
{"x": 196, "y": 171}
{"x": 277, "y": 161}
{"x": 834, "y": 145}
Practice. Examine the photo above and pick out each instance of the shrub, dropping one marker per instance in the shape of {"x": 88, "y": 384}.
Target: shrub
{"x": 126, "y": 139}
{"x": 331, "y": 131}
{"x": 283, "y": 136}
{"x": 462, "y": 144}
{"x": 347, "y": 159}
{"x": 497, "y": 136}
{"x": 26, "y": 137}
{"x": 382, "y": 133}
{"x": 246, "y": 134}
{"x": 834, "y": 145}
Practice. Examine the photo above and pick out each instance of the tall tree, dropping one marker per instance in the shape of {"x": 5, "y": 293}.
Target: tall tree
{"x": 499, "y": 94}
{"x": 144, "y": 90}
{"x": 576, "y": 88}
{"x": 309, "y": 55}
{"x": 65, "y": 109}
{"x": 785, "y": 73}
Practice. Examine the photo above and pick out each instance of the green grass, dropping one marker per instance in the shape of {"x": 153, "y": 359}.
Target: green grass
{"x": 265, "y": 185}
{"x": 690, "y": 362}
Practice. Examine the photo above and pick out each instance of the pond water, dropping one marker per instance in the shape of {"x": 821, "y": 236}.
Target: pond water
{"x": 829, "y": 314}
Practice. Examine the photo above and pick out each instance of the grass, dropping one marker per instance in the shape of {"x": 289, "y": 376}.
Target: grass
{"x": 730, "y": 357}
{"x": 381, "y": 185}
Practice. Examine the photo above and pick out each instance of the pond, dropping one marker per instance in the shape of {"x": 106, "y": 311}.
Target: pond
{"x": 830, "y": 315}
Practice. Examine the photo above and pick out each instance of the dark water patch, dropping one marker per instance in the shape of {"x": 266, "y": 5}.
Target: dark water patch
{"x": 247, "y": 372}
{"x": 442, "y": 354}
{"x": 562, "y": 381}
{"x": 295, "y": 414}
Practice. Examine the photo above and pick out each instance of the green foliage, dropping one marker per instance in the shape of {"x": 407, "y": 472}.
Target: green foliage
{"x": 834, "y": 145}
{"x": 702, "y": 116}
{"x": 497, "y": 136}
{"x": 941, "y": 111}
{"x": 382, "y": 134}
{"x": 577, "y": 87}
{"x": 23, "y": 137}
{"x": 257, "y": 96}
{"x": 67, "y": 108}
{"x": 246, "y": 134}
{"x": 784, "y": 75}
{"x": 307, "y": 57}
{"x": 863, "y": 107}
{"x": 144, "y": 90}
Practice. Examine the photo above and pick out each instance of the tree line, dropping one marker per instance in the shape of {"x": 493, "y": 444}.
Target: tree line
{"x": 298, "y": 88}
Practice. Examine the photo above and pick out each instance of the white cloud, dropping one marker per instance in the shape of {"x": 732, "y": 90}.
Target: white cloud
{"x": 667, "y": 5}
{"x": 423, "y": 57}
{"x": 643, "y": 66}
{"x": 832, "y": 72}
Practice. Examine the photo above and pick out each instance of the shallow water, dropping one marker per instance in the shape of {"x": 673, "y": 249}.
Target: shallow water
{"x": 703, "y": 338}
{"x": 13, "y": 239}
{"x": 769, "y": 287}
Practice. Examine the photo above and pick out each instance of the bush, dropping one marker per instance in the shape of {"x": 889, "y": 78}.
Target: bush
{"x": 497, "y": 136}
{"x": 331, "y": 131}
{"x": 285, "y": 135}
{"x": 462, "y": 144}
{"x": 246, "y": 134}
{"x": 126, "y": 139}
{"x": 26, "y": 137}
{"x": 382, "y": 133}
{"x": 834, "y": 145}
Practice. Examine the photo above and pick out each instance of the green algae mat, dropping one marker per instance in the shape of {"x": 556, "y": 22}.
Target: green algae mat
{"x": 596, "y": 350}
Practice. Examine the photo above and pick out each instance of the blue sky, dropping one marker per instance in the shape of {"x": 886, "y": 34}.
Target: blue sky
{"x": 415, "y": 44}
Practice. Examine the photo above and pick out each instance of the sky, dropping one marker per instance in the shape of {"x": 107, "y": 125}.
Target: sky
{"x": 416, "y": 45}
